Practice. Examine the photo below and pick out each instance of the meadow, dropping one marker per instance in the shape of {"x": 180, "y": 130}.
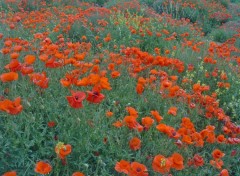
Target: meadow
{"x": 105, "y": 88}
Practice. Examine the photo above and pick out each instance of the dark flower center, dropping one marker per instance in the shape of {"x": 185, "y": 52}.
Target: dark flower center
{"x": 76, "y": 97}
{"x": 95, "y": 93}
{"x": 138, "y": 169}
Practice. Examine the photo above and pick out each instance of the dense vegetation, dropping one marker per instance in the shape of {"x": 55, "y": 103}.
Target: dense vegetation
{"x": 135, "y": 88}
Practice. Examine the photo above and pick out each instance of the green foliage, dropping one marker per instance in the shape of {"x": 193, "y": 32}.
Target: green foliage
{"x": 222, "y": 35}
{"x": 96, "y": 144}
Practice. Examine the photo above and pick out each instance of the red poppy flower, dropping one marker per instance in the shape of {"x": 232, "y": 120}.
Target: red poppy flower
{"x": 198, "y": 160}
{"x": 75, "y": 101}
{"x": 138, "y": 169}
{"x": 95, "y": 97}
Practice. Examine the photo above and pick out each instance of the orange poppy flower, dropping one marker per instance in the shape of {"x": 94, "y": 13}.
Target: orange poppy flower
{"x": 42, "y": 167}
{"x": 8, "y": 43}
{"x": 78, "y": 174}
{"x": 139, "y": 88}
{"x": 66, "y": 150}
{"x": 115, "y": 74}
{"x": 217, "y": 154}
{"x": 173, "y": 111}
{"x": 17, "y": 48}
{"x": 14, "y": 55}
{"x": 122, "y": 166}
{"x": 40, "y": 79}
{"x": 10, "y": 173}
{"x": 217, "y": 163}
{"x": 11, "y": 107}
{"x": 138, "y": 169}
{"x": 75, "y": 101}
{"x": 168, "y": 130}
{"x": 177, "y": 161}
{"x": 43, "y": 57}
{"x": 161, "y": 164}
{"x": 63, "y": 150}
{"x": 224, "y": 172}
{"x": 5, "y": 50}
{"x": 130, "y": 122}
{"x": 135, "y": 143}
{"x": 147, "y": 122}
{"x": 109, "y": 114}
{"x": 111, "y": 66}
{"x": 117, "y": 124}
{"x": 95, "y": 97}
{"x": 132, "y": 111}
{"x": 187, "y": 139}
{"x": 156, "y": 115}
{"x": 80, "y": 56}
{"x": 29, "y": 59}
{"x": 8, "y": 77}
{"x": 221, "y": 138}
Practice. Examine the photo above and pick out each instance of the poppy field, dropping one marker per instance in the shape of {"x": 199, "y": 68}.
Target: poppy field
{"x": 105, "y": 88}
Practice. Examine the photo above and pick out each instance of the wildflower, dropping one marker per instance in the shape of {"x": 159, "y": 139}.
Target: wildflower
{"x": 177, "y": 161}
{"x": 173, "y": 111}
{"x": 63, "y": 150}
{"x": 196, "y": 161}
{"x": 156, "y": 115}
{"x": 135, "y": 143}
{"x": 78, "y": 174}
{"x": 40, "y": 79}
{"x": 217, "y": 163}
{"x": 51, "y": 124}
{"x": 42, "y": 167}
{"x": 95, "y": 97}
{"x": 122, "y": 166}
{"x": 14, "y": 55}
{"x": 29, "y": 59}
{"x": 131, "y": 123}
{"x": 138, "y": 169}
{"x": 8, "y": 77}
{"x": 217, "y": 154}
{"x": 10, "y": 173}
{"x": 75, "y": 101}
{"x": 221, "y": 138}
{"x": 161, "y": 164}
{"x": 147, "y": 122}
{"x": 132, "y": 111}
{"x": 224, "y": 172}
{"x": 109, "y": 114}
{"x": 117, "y": 124}
{"x": 11, "y": 107}
{"x": 115, "y": 74}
